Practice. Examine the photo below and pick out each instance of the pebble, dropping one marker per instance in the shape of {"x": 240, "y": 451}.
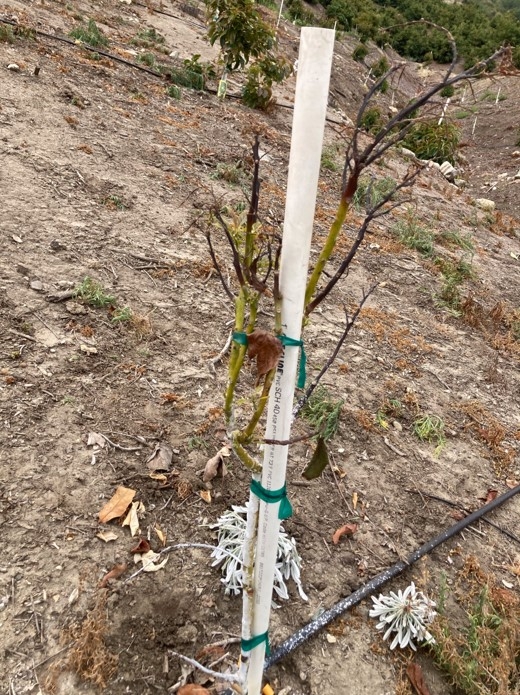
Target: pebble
{"x": 13, "y": 67}
{"x": 397, "y": 426}
{"x": 485, "y": 204}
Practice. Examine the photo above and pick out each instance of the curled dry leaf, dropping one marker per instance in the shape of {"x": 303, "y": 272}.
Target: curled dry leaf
{"x": 193, "y": 689}
{"x": 161, "y": 458}
{"x": 160, "y": 534}
{"x": 346, "y": 530}
{"x": 216, "y": 466}
{"x": 132, "y": 518}
{"x": 117, "y": 504}
{"x": 114, "y": 573}
{"x": 206, "y": 496}
{"x": 95, "y": 439}
{"x": 491, "y": 495}
{"x": 266, "y": 348}
{"x": 107, "y": 536}
{"x": 142, "y": 547}
{"x": 149, "y": 561}
{"x": 415, "y": 674}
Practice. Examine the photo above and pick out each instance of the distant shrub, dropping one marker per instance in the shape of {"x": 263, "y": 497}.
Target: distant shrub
{"x": 430, "y": 140}
{"x": 359, "y": 53}
{"x": 447, "y": 91}
{"x": 372, "y": 120}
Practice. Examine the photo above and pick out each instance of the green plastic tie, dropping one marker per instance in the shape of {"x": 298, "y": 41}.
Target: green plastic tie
{"x": 241, "y": 339}
{"x": 249, "y": 644}
{"x": 273, "y": 496}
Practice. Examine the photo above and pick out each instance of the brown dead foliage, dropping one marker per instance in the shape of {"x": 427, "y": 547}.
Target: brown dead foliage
{"x": 88, "y": 656}
{"x": 491, "y": 432}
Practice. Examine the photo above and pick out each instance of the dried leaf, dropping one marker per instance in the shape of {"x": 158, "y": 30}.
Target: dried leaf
{"x": 107, "y": 536}
{"x": 210, "y": 653}
{"x": 132, "y": 518}
{"x": 117, "y": 505}
{"x": 319, "y": 461}
{"x": 163, "y": 479}
{"x": 206, "y": 496}
{"x": 347, "y": 530}
{"x": 491, "y": 494}
{"x": 114, "y": 573}
{"x": 511, "y": 483}
{"x": 216, "y": 466}
{"x": 149, "y": 561}
{"x": 193, "y": 689}
{"x": 415, "y": 674}
{"x": 160, "y": 534}
{"x": 266, "y": 348}
{"x": 354, "y": 499}
{"x": 458, "y": 515}
{"x": 161, "y": 458}
{"x": 95, "y": 439}
{"x": 142, "y": 547}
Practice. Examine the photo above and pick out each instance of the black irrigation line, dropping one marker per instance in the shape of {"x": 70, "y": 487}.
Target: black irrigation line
{"x": 309, "y": 630}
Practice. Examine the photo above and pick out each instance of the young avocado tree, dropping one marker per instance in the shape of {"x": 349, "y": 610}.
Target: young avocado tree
{"x": 273, "y": 272}
{"x": 243, "y": 37}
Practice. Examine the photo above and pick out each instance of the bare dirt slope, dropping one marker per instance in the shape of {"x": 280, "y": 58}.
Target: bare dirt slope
{"x": 102, "y": 175}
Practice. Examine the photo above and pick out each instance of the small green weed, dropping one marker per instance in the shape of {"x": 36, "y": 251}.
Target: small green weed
{"x": 148, "y": 59}
{"x": 453, "y": 275}
{"x": 481, "y": 656}
{"x": 173, "y": 91}
{"x": 196, "y": 443}
{"x": 148, "y": 38}
{"x": 456, "y": 239}
{"x": 323, "y": 413}
{"x": 232, "y": 173}
{"x": 430, "y": 428}
{"x": 93, "y": 294}
{"x": 370, "y": 191}
{"x": 447, "y": 91}
{"x": 412, "y": 234}
{"x": 114, "y": 202}
{"x": 6, "y": 34}
{"x": 122, "y": 315}
{"x": 329, "y": 158}
{"x": 90, "y": 34}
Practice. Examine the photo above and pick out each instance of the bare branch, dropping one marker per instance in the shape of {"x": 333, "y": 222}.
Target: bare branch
{"x": 236, "y": 257}
{"x": 349, "y": 325}
{"x": 217, "y": 267}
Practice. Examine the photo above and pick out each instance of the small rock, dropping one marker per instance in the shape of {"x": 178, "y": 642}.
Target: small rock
{"x": 16, "y": 238}
{"x": 36, "y": 285}
{"x": 397, "y": 426}
{"x": 13, "y": 67}
{"x": 407, "y": 153}
{"x": 57, "y": 245}
{"x": 485, "y": 204}
{"x": 517, "y": 176}
{"x": 303, "y": 676}
{"x": 330, "y": 638}
{"x": 460, "y": 183}
{"x": 448, "y": 171}
{"x": 75, "y": 308}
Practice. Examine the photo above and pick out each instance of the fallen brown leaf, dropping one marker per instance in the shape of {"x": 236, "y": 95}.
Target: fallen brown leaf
{"x": 491, "y": 495}
{"x": 511, "y": 483}
{"x": 216, "y": 466}
{"x": 206, "y": 496}
{"x": 415, "y": 674}
{"x": 347, "y": 530}
{"x": 117, "y": 504}
{"x": 142, "y": 547}
{"x": 107, "y": 536}
{"x": 458, "y": 515}
{"x": 114, "y": 573}
{"x": 210, "y": 653}
{"x": 161, "y": 458}
{"x": 193, "y": 689}
{"x": 266, "y": 348}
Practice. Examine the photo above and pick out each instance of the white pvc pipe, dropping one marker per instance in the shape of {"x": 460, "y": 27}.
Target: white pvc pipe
{"x": 310, "y": 107}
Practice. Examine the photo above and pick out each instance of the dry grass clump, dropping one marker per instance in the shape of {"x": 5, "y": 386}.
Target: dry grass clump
{"x": 491, "y": 432}
{"x": 88, "y": 656}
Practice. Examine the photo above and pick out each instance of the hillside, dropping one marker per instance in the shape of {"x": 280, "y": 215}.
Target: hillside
{"x": 105, "y": 176}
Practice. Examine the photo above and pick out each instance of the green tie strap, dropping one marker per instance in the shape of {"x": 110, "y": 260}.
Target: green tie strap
{"x": 273, "y": 496}
{"x": 241, "y": 339}
{"x": 248, "y": 645}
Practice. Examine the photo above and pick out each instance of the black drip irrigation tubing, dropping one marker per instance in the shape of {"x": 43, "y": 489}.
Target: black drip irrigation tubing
{"x": 309, "y": 630}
